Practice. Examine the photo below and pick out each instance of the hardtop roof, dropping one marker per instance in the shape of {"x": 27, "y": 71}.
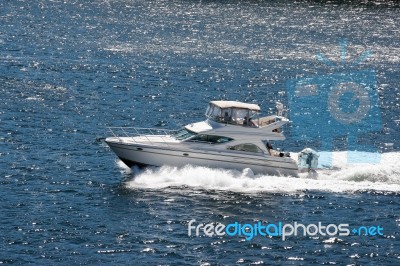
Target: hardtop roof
{"x": 235, "y": 104}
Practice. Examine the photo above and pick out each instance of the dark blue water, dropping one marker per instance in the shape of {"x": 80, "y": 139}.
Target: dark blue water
{"x": 69, "y": 69}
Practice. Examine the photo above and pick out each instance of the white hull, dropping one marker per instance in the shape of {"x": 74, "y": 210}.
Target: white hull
{"x": 143, "y": 155}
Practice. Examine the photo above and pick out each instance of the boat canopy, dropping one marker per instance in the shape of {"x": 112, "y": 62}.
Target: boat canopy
{"x": 232, "y": 112}
{"x": 234, "y": 104}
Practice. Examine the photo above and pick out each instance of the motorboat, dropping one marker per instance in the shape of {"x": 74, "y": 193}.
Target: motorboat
{"x": 233, "y": 136}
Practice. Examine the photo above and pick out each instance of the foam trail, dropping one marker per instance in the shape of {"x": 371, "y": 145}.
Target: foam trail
{"x": 124, "y": 168}
{"x": 384, "y": 176}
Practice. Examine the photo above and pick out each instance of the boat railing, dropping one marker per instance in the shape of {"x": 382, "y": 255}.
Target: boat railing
{"x": 148, "y": 133}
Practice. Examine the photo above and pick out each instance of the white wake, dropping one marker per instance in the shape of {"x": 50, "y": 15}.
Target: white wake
{"x": 344, "y": 177}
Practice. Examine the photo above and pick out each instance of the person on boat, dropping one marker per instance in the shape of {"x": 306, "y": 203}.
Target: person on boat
{"x": 251, "y": 123}
{"x": 269, "y": 148}
{"x": 309, "y": 160}
{"x": 227, "y": 117}
{"x": 248, "y": 122}
{"x": 245, "y": 121}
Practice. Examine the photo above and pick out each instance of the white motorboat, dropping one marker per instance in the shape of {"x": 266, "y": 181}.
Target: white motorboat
{"x": 233, "y": 137}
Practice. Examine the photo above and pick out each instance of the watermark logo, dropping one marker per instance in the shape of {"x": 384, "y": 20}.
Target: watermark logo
{"x": 343, "y": 104}
{"x": 280, "y": 229}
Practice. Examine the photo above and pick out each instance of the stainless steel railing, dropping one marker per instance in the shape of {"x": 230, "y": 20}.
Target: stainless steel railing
{"x": 148, "y": 133}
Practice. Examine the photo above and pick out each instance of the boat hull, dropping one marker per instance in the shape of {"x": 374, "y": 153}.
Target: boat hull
{"x": 147, "y": 155}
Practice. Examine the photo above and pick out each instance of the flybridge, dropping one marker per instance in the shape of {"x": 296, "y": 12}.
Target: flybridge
{"x": 243, "y": 114}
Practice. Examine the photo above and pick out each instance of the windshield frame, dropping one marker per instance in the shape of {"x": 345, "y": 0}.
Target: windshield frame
{"x": 183, "y": 134}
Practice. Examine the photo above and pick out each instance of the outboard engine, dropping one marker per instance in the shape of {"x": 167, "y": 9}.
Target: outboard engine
{"x": 308, "y": 159}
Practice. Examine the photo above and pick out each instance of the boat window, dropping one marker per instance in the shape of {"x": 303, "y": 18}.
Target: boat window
{"x": 216, "y": 112}
{"x": 239, "y": 115}
{"x": 183, "y": 134}
{"x": 209, "y": 110}
{"x": 242, "y": 114}
{"x": 227, "y": 115}
{"x": 235, "y": 116}
{"x": 210, "y": 139}
{"x": 249, "y": 147}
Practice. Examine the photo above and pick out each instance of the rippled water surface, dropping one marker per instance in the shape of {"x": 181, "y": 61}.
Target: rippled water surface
{"x": 69, "y": 69}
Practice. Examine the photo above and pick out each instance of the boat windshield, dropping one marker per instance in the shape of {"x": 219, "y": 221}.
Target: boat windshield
{"x": 183, "y": 134}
